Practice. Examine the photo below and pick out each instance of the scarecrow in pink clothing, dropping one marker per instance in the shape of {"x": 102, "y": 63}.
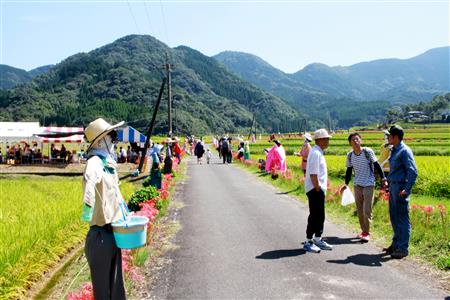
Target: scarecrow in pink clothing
{"x": 276, "y": 160}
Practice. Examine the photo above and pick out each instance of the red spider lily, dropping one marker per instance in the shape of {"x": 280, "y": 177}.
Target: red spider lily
{"x": 84, "y": 294}
{"x": 428, "y": 209}
{"x": 384, "y": 195}
{"x": 441, "y": 208}
{"x": 416, "y": 207}
{"x": 288, "y": 175}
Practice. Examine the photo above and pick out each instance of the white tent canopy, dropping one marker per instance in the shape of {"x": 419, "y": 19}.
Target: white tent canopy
{"x": 55, "y": 134}
{"x": 17, "y": 131}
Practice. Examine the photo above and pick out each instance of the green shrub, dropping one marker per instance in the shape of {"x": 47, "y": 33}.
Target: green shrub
{"x": 142, "y": 195}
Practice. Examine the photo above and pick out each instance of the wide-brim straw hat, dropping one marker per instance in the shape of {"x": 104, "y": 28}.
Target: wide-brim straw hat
{"x": 98, "y": 129}
{"x": 321, "y": 134}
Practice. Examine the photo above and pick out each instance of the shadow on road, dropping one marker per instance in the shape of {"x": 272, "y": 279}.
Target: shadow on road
{"x": 334, "y": 240}
{"x": 288, "y": 192}
{"x": 276, "y": 254}
{"x": 368, "y": 260}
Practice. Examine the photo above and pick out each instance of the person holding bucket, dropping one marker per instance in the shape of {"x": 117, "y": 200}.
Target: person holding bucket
{"x": 102, "y": 206}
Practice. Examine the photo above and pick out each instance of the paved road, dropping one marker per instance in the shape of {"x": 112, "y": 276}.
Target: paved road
{"x": 240, "y": 238}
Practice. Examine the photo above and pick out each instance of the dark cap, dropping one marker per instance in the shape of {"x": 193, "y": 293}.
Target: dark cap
{"x": 396, "y": 130}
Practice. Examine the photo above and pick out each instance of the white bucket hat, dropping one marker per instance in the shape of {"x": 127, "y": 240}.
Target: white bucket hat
{"x": 321, "y": 134}
{"x": 307, "y": 137}
{"x": 97, "y": 129}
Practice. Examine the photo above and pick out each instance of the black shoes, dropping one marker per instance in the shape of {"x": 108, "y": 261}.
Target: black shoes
{"x": 389, "y": 250}
{"x": 398, "y": 254}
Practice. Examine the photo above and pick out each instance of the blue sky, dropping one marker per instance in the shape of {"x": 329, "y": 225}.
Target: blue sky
{"x": 287, "y": 34}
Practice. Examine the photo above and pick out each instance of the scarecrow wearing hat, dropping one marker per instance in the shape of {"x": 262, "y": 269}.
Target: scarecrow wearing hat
{"x": 304, "y": 152}
{"x": 101, "y": 207}
{"x": 385, "y": 153}
{"x": 276, "y": 159}
{"x": 155, "y": 172}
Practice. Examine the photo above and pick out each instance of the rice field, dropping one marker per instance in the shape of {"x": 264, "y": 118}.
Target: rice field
{"x": 39, "y": 223}
{"x": 431, "y": 149}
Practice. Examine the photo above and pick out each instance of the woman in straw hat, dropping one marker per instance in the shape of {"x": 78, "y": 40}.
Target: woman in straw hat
{"x": 101, "y": 207}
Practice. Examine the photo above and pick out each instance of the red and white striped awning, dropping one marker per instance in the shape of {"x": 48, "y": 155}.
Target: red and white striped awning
{"x": 61, "y": 134}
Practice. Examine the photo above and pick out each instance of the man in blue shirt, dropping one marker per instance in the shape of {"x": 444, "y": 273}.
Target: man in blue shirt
{"x": 402, "y": 176}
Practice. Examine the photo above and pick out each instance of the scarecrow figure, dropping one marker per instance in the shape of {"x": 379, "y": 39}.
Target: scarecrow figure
{"x": 101, "y": 207}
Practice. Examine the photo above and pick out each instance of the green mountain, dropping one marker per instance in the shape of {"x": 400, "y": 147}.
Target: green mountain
{"x": 396, "y": 80}
{"x": 11, "y": 77}
{"x": 121, "y": 81}
{"x": 348, "y": 96}
{"x": 39, "y": 70}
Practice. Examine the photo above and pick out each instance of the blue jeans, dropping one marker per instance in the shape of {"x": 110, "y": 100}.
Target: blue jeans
{"x": 399, "y": 213}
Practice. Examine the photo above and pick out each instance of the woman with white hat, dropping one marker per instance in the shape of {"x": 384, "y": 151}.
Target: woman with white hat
{"x": 101, "y": 207}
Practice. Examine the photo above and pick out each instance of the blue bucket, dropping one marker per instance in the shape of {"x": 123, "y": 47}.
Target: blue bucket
{"x": 130, "y": 233}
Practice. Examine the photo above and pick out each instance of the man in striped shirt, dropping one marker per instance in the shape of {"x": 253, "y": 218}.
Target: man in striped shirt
{"x": 363, "y": 161}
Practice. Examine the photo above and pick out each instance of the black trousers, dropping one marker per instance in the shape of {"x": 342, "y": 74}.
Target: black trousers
{"x": 105, "y": 263}
{"x": 316, "y": 218}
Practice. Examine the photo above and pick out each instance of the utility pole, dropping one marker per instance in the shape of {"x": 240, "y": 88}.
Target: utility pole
{"x": 152, "y": 124}
{"x": 169, "y": 94}
{"x": 251, "y": 128}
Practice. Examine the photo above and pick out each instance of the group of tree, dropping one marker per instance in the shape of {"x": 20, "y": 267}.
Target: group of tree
{"x": 436, "y": 110}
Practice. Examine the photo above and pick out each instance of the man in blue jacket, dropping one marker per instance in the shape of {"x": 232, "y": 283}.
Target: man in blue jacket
{"x": 402, "y": 176}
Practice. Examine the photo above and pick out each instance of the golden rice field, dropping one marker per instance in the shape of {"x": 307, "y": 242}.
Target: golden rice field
{"x": 39, "y": 224}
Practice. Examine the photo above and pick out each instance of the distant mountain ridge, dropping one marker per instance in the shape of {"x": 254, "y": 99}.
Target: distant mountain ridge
{"x": 394, "y": 80}
{"x": 11, "y": 77}
{"x": 121, "y": 80}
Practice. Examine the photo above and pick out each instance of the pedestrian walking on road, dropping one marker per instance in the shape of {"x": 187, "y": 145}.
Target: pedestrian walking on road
{"x": 101, "y": 207}
{"x": 199, "y": 151}
{"x": 316, "y": 183}
{"x": 401, "y": 178}
{"x": 364, "y": 162}
{"x": 208, "y": 156}
{"x": 225, "y": 149}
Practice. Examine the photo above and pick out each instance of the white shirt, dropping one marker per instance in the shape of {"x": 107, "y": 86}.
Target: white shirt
{"x": 363, "y": 166}
{"x": 316, "y": 165}
{"x": 101, "y": 191}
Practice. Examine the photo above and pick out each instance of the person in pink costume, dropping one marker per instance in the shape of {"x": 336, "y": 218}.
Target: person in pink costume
{"x": 276, "y": 158}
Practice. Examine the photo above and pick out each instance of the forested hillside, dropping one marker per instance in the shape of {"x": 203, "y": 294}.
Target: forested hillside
{"x": 121, "y": 81}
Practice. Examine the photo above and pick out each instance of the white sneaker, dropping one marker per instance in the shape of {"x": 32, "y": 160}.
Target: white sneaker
{"x": 323, "y": 245}
{"x": 310, "y": 247}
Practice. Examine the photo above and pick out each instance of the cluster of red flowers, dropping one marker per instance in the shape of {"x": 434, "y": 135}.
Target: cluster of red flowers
{"x": 84, "y": 294}
{"x": 384, "y": 195}
{"x": 148, "y": 209}
{"x": 249, "y": 163}
{"x": 428, "y": 209}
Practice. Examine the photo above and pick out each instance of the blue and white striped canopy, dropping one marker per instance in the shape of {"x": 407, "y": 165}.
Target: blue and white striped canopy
{"x": 129, "y": 134}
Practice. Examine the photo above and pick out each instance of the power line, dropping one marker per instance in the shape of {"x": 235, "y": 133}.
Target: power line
{"x": 132, "y": 15}
{"x": 164, "y": 22}
{"x": 148, "y": 18}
